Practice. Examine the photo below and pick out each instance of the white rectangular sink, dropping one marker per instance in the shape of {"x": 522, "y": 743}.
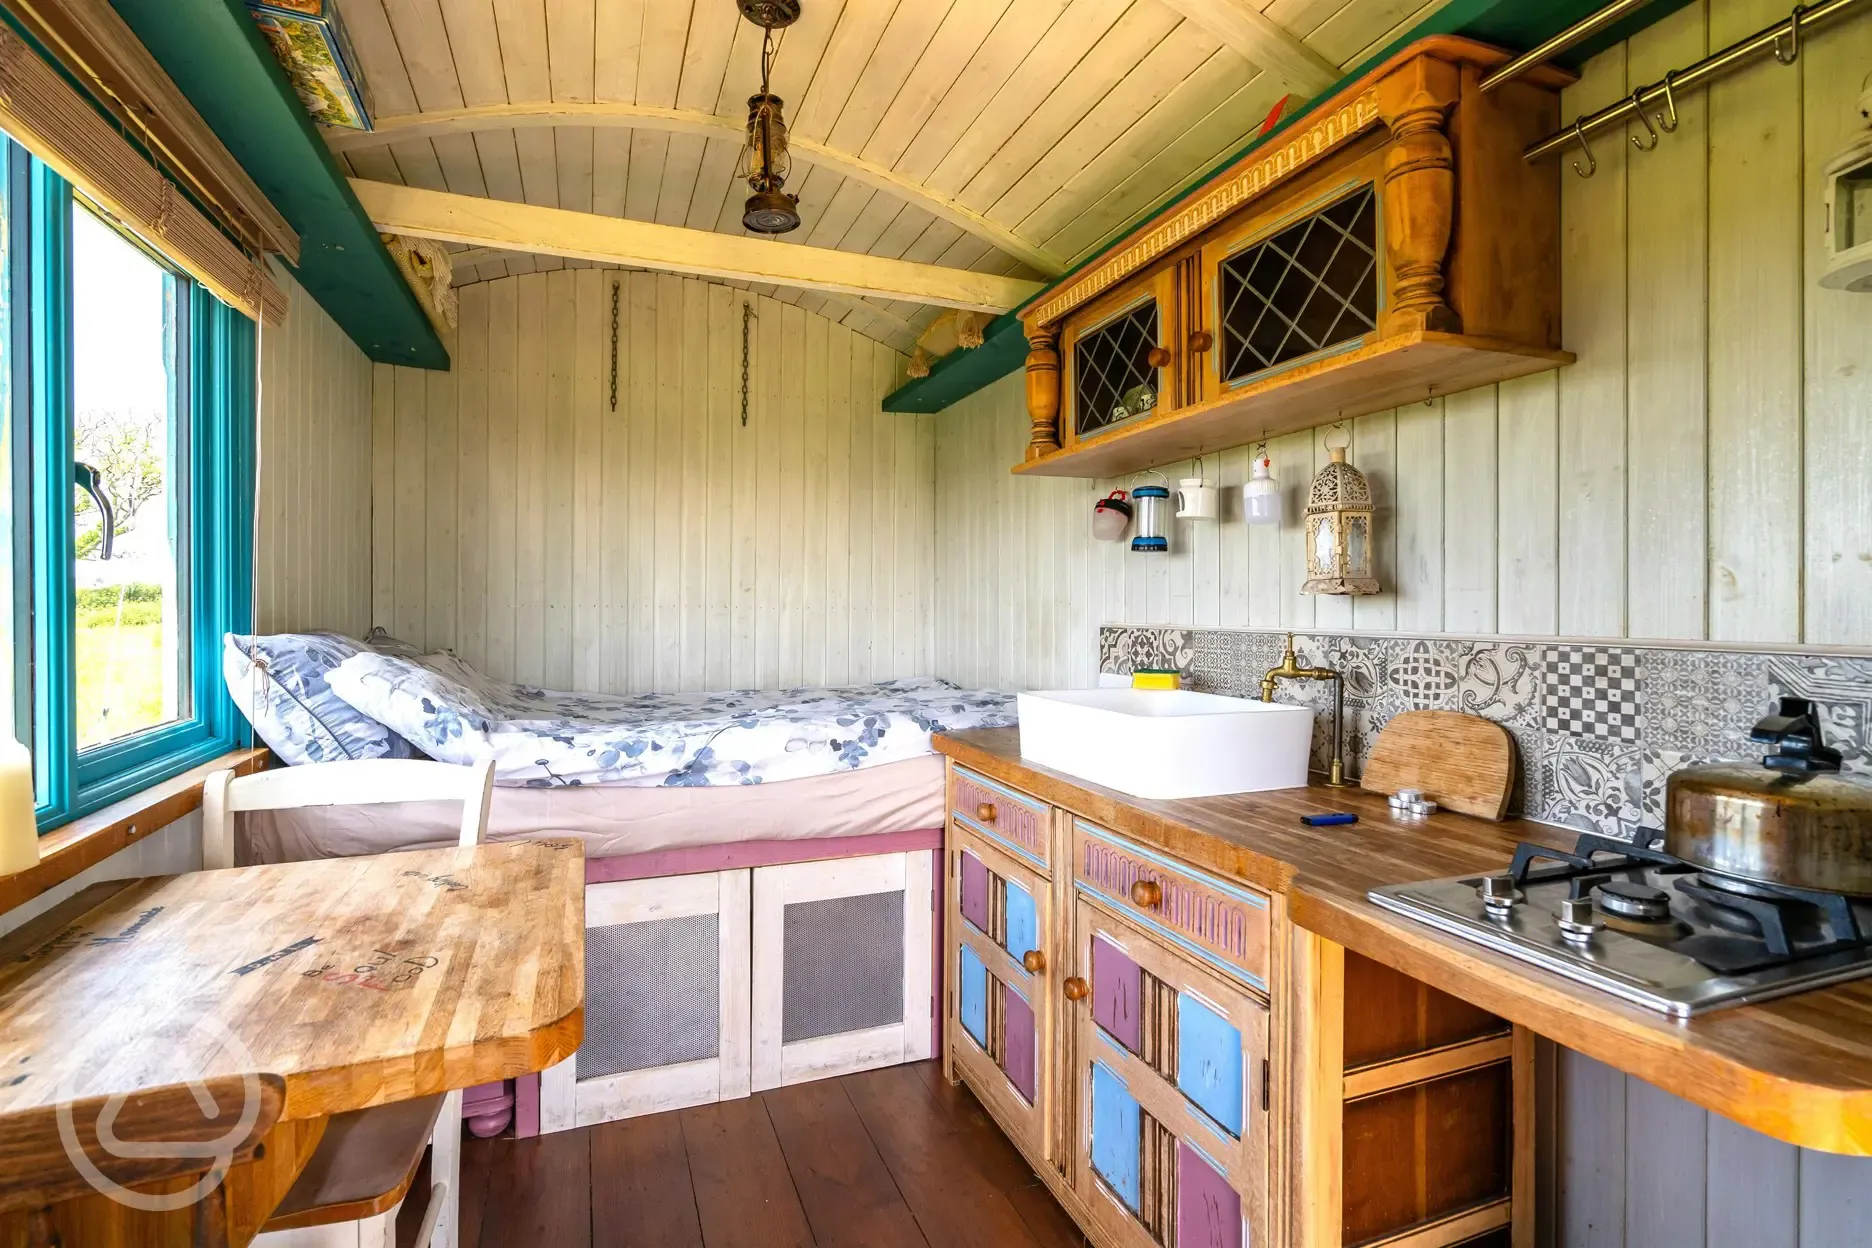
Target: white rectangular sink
{"x": 1166, "y": 743}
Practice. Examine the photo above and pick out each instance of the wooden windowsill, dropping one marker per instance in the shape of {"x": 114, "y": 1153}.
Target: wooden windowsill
{"x": 90, "y": 839}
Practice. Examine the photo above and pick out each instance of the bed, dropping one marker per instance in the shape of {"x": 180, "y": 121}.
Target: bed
{"x": 762, "y": 866}
{"x": 628, "y": 774}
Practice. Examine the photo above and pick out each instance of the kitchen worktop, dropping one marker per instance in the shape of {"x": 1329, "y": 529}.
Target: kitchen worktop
{"x": 1798, "y": 1069}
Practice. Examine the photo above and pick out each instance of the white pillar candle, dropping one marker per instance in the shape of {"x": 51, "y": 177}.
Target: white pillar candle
{"x": 19, "y": 833}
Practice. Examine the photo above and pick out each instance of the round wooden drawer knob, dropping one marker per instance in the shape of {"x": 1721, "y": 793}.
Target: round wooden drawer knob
{"x": 1158, "y": 357}
{"x": 985, "y": 812}
{"x": 1146, "y": 893}
{"x": 1076, "y": 989}
{"x": 1201, "y": 340}
{"x": 1034, "y": 961}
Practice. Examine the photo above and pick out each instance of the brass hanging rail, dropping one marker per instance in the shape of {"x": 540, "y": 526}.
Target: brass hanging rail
{"x": 1782, "y": 40}
{"x": 1578, "y": 32}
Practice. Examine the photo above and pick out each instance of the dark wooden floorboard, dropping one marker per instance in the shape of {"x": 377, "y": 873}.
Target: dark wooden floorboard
{"x": 641, "y": 1194}
{"x": 539, "y": 1193}
{"x": 743, "y": 1190}
{"x": 848, "y": 1193}
{"x": 886, "y": 1159}
{"x": 933, "y": 1163}
{"x": 477, "y": 1157}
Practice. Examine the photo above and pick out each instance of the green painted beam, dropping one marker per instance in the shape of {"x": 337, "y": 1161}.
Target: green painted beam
{"x": 965, "y": 370}
{"x": 1514, "y": 24}
{"x": 217, "y": 57}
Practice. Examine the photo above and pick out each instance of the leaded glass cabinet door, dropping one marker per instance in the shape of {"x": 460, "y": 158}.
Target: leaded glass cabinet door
{"x": 1118, "y": 360}
{"x": 1297, "y": 285}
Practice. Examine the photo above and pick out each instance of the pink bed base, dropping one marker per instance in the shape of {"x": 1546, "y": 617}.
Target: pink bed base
{"x": 487, "y": 1107}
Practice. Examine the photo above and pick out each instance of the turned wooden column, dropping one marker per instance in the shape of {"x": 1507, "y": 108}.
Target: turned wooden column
{"x": 1420, "y": 193}
{"x": 1043, "y": 389}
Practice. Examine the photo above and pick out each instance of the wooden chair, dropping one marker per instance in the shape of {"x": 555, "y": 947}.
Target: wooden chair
{"x": 349, "y": 1193}
{"x": 46, "y": 1199}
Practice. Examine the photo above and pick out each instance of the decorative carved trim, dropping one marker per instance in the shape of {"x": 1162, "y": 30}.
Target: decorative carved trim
{"x": 1043, "y": 390}
{"x": 1331, "y": 131}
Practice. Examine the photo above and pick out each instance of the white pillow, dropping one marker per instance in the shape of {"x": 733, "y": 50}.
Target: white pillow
{"x": 279, "y": 684}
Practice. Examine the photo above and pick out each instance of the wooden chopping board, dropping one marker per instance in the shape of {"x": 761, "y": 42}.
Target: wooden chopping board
{"x": 1462, "y": 762}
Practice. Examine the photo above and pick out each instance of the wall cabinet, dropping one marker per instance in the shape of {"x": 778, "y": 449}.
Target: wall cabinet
{"x": 1390, "y": 245}
{"x": 1184, "y": 1068}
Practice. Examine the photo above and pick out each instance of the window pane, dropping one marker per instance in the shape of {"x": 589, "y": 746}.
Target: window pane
{"x": 131, "y": 658}
{"x": 15, "y": 500}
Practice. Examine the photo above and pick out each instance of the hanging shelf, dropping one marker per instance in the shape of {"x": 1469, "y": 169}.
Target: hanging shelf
{"x": 1396, "y": 248}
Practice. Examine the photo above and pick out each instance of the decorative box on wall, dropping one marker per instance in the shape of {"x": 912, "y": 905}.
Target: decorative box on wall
{"x": 308, "y": 39}
{"x": 1393, "y": 246}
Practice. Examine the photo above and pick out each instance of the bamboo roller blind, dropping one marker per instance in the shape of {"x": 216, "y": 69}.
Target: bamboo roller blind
{"x": 42, "y": 112}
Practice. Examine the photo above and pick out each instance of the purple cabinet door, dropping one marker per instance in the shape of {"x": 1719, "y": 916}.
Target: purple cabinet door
{"x": 975, "y": 891}
{"x": 1208, "y": 1209}
{"x": 1020, "y": 1055}
{"x": 1115, "y": 993}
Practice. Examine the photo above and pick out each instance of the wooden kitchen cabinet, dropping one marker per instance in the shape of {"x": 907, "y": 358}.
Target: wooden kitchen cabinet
{"x": 1391, "y": 246}
{"x": 1183, "y": 1067}
{"x": 1172, "y": 1085}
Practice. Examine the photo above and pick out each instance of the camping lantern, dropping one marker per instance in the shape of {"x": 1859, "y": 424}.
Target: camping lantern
{"x": 1151, "y": 502}
{"x": 764, "y": 162}
{"x": 1261, "y": 496}
{"x": 1339, "y": 526}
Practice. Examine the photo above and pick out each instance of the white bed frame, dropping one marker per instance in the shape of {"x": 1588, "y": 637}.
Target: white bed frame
{"x": 751, "y": 1055}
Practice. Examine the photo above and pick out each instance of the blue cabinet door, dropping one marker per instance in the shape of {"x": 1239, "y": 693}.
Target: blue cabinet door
{"x": 1023, "y": 920}
{"x": 1209, "y": 1062}
{"x": 1115, "y": 1134}
{"x": 974, "y": 990}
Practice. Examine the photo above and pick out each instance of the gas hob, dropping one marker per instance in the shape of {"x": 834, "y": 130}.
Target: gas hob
{"x": 1650, "y": 928}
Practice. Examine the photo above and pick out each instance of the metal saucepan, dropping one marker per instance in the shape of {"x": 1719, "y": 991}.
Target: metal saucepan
{"x": 1793, "y": 819}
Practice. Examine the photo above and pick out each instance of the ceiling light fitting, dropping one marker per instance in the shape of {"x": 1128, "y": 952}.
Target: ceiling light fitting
{"x": 764, "y": 162}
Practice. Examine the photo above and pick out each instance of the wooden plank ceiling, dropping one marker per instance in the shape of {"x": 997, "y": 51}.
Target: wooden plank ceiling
{"x": 1006, "y": 136}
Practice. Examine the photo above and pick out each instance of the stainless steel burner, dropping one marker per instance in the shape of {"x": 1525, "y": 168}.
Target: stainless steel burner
{"x": 1669, "y": 939}
{"x": 1629, "y": 900}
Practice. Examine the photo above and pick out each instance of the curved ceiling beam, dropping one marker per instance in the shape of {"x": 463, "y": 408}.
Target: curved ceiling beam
{"x": 448, "y": 121}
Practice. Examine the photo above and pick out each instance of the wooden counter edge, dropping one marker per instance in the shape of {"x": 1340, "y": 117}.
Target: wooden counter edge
{"x": 88, "y": 840}
{"x": 1809, "y": 1115}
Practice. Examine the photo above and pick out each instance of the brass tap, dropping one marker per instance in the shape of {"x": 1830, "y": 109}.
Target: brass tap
{"x": 1290, "y": 669}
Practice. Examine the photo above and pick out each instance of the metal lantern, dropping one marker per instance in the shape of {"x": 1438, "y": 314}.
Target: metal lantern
{"x": 764, "y": 161}
{"x": 1339, "y": 527}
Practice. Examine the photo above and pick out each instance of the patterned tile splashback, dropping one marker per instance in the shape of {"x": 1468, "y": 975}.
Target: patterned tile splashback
{"x": 1599, "y": 726}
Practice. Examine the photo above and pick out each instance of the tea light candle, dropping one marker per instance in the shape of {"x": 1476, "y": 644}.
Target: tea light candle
{"x": 19, "y": 832}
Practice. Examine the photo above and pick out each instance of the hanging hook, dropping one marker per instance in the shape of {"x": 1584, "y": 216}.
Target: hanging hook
{"x": 1637, "y": 142}
{"x": 1670, "y": 102}
{"x": 1592, "y": 166}
{"x": 1793, "y": 37}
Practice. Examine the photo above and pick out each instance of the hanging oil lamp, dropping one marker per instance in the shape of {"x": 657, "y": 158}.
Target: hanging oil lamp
{"x": 1339, "y": 526}
{"x": 764, "y": 162}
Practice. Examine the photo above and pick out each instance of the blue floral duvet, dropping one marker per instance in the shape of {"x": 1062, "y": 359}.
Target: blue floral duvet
{"x": 542, "y": 738}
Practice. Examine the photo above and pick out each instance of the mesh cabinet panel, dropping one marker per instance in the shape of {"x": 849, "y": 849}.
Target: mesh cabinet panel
{"x": 652, "y": 995}
{"x": 844, "y": 965}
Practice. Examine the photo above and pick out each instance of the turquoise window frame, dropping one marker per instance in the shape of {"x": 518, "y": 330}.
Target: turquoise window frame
{"x": 218, "y": 401}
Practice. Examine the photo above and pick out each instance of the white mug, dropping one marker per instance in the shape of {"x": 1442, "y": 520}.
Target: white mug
{"x": 1195, "y": 500}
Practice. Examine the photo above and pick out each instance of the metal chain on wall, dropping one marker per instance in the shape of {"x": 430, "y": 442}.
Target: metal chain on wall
{"x": 614, "y": 345}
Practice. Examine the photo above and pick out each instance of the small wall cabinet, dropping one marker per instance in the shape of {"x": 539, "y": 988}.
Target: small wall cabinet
{"x": 1184, "y": 1068}
{"x": 1389, "y": 246}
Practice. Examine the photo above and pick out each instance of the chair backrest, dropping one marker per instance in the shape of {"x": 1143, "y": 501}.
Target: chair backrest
{"x": 361, "y": 782}
{"x": 37, "y": 1167}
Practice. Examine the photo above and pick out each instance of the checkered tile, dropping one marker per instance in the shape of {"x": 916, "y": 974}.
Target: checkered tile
{"x": 1589, "y": 692}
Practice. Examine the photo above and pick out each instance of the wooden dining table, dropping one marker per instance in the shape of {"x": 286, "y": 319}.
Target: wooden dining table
{"x": 355, "y": 982}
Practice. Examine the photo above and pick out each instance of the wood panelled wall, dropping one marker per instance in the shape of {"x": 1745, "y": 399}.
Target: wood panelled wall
{"x": 1700, "y": 473}
{"x": 664, "y": 545}
{"x": 313, "y": 500}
